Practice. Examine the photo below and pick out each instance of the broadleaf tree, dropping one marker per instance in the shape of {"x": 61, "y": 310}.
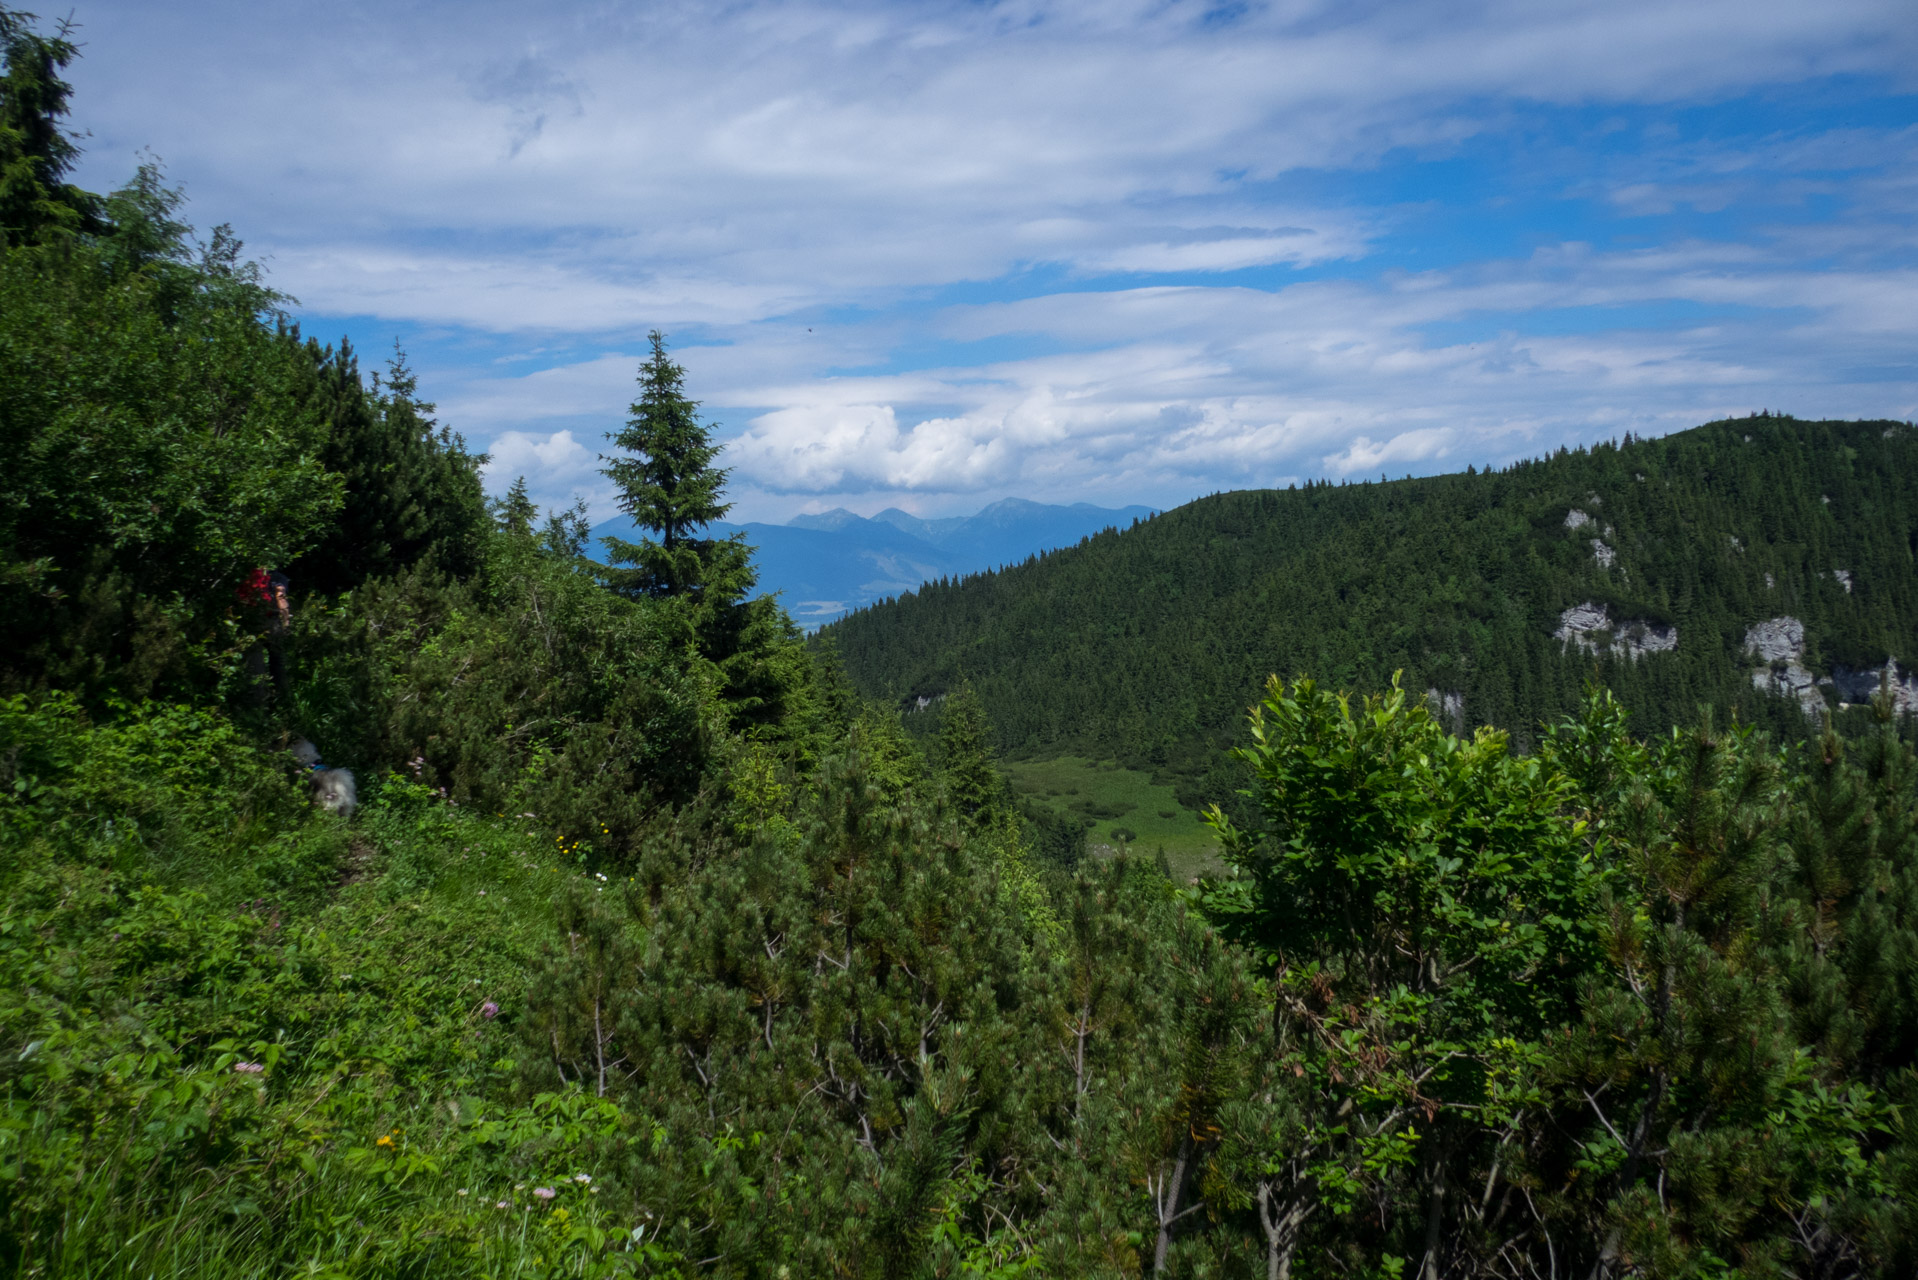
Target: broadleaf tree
{"x": 1420, "y": 900}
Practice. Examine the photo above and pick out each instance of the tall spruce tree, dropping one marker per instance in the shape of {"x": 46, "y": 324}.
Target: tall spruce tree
{"x": 35, "y": 151}
{"x": 412, "y": 491}
{"x": 965, "y": 748}
{"x": 669, "y": 486}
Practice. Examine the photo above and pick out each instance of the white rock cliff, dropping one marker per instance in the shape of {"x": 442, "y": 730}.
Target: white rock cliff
{"x": 1591, "y": 628}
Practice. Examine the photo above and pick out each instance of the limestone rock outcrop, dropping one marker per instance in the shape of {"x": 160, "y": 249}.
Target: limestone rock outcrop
{"x": 1776, "y": 639}
{"x": 1780, "y": 644}
{"x": 1861, "y": 686}
{"x": 1590, "y": 626}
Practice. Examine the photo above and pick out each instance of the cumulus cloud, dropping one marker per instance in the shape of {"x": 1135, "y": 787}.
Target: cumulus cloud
{"x": 1420, "y": 445}
{"x": 861, "y": 447}
{"x": 1341, "y": 378}
{"x": 1174, "y": 390}
{"x": 901, "y": 247}
{"x": 557, "y": 468}
{"x": 732, "y": 163}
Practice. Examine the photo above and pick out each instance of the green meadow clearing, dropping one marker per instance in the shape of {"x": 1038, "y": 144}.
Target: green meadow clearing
{"x": 1118, "y": 805}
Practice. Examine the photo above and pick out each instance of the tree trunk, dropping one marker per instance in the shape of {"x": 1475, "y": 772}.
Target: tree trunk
{"x": 1281, "y": 1222}
{"x": 1434, "y": 1213}
{"x": 1165, "y": 1200}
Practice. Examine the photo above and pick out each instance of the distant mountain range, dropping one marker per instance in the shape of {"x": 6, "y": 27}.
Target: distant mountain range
{"x": 826, "y": 565}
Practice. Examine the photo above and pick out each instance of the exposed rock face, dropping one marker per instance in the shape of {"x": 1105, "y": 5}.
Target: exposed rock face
{"x": 1777, "y": 640}
{"x": 1641, "y": 637}
{"x": 1582, "y": 620}
{"x": 1863, "y": 686}
{"x": 1605, "y": 556}
{"x": 1780, "y": 642}
{"x": 1576, "y": 519}
{"x": 1590, "y": 627}
{"x": 1790, "y": 680}
{"x": 1844, "y": 579}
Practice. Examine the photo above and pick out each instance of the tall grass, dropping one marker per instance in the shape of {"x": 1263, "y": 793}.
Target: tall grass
{"x": 244, "y": 1039}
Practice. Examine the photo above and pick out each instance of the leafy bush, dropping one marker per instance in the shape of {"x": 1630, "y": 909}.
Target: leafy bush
{"x": 529, "y": 689}
{"x": 161, "y": 443}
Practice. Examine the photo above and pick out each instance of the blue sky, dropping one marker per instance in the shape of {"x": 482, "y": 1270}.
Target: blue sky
{"x": 931, "y": 255}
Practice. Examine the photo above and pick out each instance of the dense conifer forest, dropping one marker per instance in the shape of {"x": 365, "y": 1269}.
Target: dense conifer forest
{"x": 649, "y": 947}
{"x": 1149, "y": 644}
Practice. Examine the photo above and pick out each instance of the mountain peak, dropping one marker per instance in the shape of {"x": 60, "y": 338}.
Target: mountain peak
{"x": 906, "y": 522}
{"x": 837, "y": 518}
{"x": 825, "y": 563}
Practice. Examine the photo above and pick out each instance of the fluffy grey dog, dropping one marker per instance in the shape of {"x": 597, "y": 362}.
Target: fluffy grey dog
{"x": 333, "y": 789}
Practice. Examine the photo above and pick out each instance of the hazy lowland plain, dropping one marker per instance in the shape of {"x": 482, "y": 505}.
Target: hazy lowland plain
{"x": 1555, "y": 911}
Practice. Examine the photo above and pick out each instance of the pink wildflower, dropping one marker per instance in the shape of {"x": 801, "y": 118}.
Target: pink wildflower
{"x": 544, "y": 1193}
{"x": 248, "y": 1068}
{"x": 489, "y": 1010}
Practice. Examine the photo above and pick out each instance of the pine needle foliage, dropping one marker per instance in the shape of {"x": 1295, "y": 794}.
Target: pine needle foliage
{"x": 36, "y": 152}
{"x": 654, "y": 950}
{"x": 668, "y": 484}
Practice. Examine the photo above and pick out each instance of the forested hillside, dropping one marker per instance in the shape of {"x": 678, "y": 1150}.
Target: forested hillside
{"x": 647, "y": 947}
{"x": 1150, "y": 643}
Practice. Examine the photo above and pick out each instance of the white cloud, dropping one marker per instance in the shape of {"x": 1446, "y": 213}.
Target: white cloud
{"x": 1299, "y": 246}
{"x": 798, "y": 190}
{"x": 598, "y": 389}
{"x": 583, "y": 169}
{"x": 557, "y": 468}
{"x": 1238, "y": 386}
{"x": 829, "y": 448}
{"x": 1334, "y": 378}
{"x": 1421, "y": 445}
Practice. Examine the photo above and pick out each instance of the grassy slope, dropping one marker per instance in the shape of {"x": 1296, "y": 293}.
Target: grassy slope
{"x": 1120, "y": 805}
{"x": 388, "y": 1132}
